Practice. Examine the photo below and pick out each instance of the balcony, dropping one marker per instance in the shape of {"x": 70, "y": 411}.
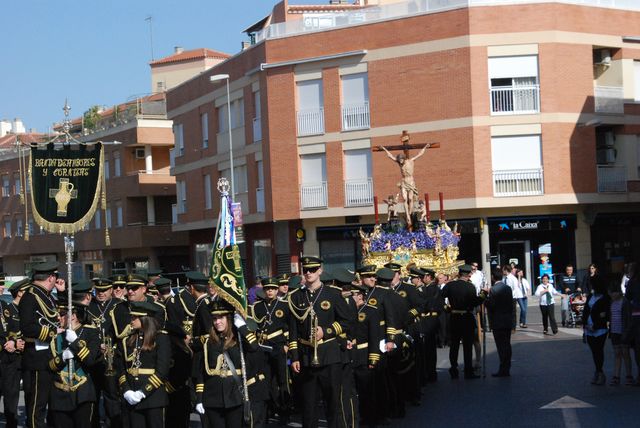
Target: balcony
{"x": 524, "y": 182}
{"x": 355, "y": 116}
{"x": 609, "y": 99}
{"x": 257, "y": 129}
{"x": 310, "y": 122}
{"x": 507, "y": 100}
{"x": 260, "y": 200}
{"x": 313, "y": 196}
{"x": 358, "y": 193}
{"x": 612, "y": 179}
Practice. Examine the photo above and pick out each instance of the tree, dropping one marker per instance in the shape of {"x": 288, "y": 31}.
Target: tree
{"x": 91, "y": 117}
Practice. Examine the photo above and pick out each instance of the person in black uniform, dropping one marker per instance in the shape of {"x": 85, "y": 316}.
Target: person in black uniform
{"x": 177, "y": 383}
{"x": 365, "y": 354}
{"x": 119, "y": 286}
{"x": 219, "y": 388}
{"x": 198, "y": 285}
{"x": 462, "y": 300}
{"x": 319, "y": 315}
{"x": 500, "y": 304}
{"x": 11, "y": 355}
{"x": 272, "y": 316}
{"x": 39, "y": 325}
{"x": 283, "y": 285}
{"x": 143, "y": 366}
{"x": 415, "y": 277}
{"x": 73, "y": 398}
{"x": 433, "y": 307}
{"x": 163, "y": 285}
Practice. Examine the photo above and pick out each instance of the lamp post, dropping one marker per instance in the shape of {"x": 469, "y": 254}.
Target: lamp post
{"x": 216, "y": 78}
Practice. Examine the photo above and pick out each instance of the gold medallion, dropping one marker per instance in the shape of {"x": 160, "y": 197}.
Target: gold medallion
{"x": 279, "y": 313}
{"x": 362, "y": 316}
{"x": 403, "y": 294}
{"x": 325, "y": 305}
{"x": 373, "y": 302}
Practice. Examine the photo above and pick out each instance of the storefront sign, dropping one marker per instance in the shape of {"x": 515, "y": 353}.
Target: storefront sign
{"x": 520, "y": 224}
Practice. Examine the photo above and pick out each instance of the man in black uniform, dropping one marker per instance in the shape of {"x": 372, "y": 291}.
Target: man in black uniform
{"x": 11, "y": 355}
{"x": 181, "y": 310}
{"x": 198, "y": 284}
{"x": 500, "y": 304}
{"x": 163, "y": 285}
{"x": 272, "y": 316}
{"x": 433, "y": 307}
{"x": 462, "y": 301}
{"x": 119, "y": 286}
{"x": 39, "y": 325}
{"x": 319, "y": 315}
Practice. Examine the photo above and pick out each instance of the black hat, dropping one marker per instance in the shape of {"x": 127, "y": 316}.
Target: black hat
{"x": 136, "y": 280}
{"x": 385, "y": 275}
{"x": 271, "y": 282}
{"x": 195, "y": 277}
{"x": 77, "y": 307}
{"x": 327, "y": 276}
{"x": 294, "y": 282}
{"x": 284, "y": 279}
{"x": 143, "y": 309}
{"x": 428, "y": 271}
{"x": 81, "y": 286}
{"x": 415, "y": 272}
{"x": 102, "y": 284}
{"x": 393, "y": 266}
{"x": 367, "y": 270}
{"x": 23, "y": 284}
{"x": 359, "y": 288}
{"x": 154, "y": 272}
{"x": 163, "y": 285}
{"x": 46, "y": 267}
{"x": 311, "y": 261}
{"x": 343, "y": 276}
{"x": 464, "y": 268}
{"x": 118, "y": 279}
{"x": 220, "y": 307}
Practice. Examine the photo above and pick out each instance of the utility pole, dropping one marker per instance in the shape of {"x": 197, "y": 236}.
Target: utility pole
{"x": 149, "y": 19}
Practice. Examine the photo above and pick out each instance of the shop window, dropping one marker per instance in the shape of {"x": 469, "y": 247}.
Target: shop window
{"x": 204, "y": 253}
{"x": 262, "y": 257}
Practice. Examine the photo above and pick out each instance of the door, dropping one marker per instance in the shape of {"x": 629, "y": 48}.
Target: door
{"x": 518, "y": 252}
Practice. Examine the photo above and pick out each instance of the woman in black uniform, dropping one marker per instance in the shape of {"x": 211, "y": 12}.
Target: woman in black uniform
{"x": 143, "y": 366}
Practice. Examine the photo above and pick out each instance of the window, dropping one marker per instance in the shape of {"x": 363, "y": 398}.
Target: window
{"x": 636, "y": 80}
{"x": 260, "y": 169}
{"x": 514, "y": 84}
{"x": 240, "y": 179}
{"x": 17, "y": 184}
{"x": 119, "y": 214}
{"x": 260, "y": 188}
{"x": 357, "y": 180}
{"x": 237, "y": 113}
{"x": 520, "y": 175}
{"x": 7, "y": 229}
{"x": 310, "y": 113}
{"x": 98, "y": 219}
{"x": 6, "y": 189}
{"x": 204, "y": 123}
{"x": 262, "y": 257}
{"x": 257, "y": 108}
{"x": 178, "y": 137}
{"x": 314, "y": 181}
{"x": 223, "y": 124}
{"x": 106, "y": 169}
{"x": 355, "y": 102}
{"x": 19, "y": 230}
{"x": 181, "y": 190}
{"x": 107, "y": 216}
{"x": 31, "y": 227}
{"x": 116, "y": 164}
{"x": 207, "y": 191}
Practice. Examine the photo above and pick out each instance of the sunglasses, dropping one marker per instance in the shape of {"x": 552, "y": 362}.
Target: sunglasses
{"x": 119, "y": 286}
{"x": 310, "y": 269}
{"x": 367, "y": 276}
{"x": 133, "y": 288}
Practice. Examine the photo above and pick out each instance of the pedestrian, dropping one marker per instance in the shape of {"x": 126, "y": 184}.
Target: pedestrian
{"x": 592, "y": 271}
{"x": 251, "y": 293}
{"x": 545, "y": 292}
{"x": 568, "y": 285}
{"x": 509, "y": 278}
{"x": 520, "y": 294}
{"x": 633, "y": 296}
{"x": 594, "y": 319}
{"x": 619, "y": 331}
{"x": 500, "y": 304}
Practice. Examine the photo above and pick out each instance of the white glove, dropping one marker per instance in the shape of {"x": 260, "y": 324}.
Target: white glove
{"x": 200, "y": 408}
{"x": 70, "y": 335}
{"x": 131, "y": 398}
{"x": 238, "y": 321}
{"x": 139, "y": 395}
{"x": 67, "y": 354}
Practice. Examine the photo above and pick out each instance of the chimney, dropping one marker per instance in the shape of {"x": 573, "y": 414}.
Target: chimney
{"x": 245, "y": 45}
{"x": 178, "y": 49}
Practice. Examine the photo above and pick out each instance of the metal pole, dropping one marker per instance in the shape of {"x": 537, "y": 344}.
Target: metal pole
{"x": 69, "y": 248}
{"x": 245, "y": 387}
{"x": 484, "y": 343}
{"x": 233, "y": 188}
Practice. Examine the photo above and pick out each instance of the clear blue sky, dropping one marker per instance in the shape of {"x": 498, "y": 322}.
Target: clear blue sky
{"x": 97, "y": 52}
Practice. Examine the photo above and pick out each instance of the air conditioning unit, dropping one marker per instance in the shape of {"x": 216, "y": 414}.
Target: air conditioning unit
{"x": 605, "y": 57}
{"x": 606, "y": 156}
{"x": 609, "y": 139}
{"x": 139, "y": 153}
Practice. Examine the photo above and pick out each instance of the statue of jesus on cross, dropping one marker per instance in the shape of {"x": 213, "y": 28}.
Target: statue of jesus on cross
{"x": 407, "y": 185}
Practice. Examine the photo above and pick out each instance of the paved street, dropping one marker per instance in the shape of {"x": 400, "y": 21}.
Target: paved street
{"x": 544, "y": 369}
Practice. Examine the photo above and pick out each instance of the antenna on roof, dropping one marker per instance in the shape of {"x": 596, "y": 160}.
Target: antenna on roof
{"x": 149, "y": 19}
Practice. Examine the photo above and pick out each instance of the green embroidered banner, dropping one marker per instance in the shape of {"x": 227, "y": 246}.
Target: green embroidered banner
{"x": 65, "y": 185}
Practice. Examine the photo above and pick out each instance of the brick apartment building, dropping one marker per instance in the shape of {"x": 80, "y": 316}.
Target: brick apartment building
{"x": 534, "y": 103}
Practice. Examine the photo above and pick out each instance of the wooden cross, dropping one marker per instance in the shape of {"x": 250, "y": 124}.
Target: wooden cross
{"x": 406, "y": 146}
{"x": 235, "y": 255}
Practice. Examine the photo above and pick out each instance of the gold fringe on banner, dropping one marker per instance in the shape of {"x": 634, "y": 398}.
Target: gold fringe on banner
{"x": 23, "y": 188}
{"x": 69, "y": 228}
{"x": 107, "y": 238}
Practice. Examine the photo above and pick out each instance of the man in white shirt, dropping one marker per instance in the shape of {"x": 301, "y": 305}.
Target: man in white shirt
{"x": 477, "y": 277}
{"x": 512, "y": 282}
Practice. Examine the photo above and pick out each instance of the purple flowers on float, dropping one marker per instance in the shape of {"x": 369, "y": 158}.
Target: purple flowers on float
{"x": 405, "y": 239}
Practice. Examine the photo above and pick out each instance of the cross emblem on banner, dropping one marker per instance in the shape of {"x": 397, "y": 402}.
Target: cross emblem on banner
{"x": 63, "y": 195}
{"x": 234, "y": 255}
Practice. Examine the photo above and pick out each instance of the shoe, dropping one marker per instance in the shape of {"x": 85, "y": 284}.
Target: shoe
{"x": 545, "y": 332}
{"x": 513, "y": 331}
{"x": 454, "y": 373}
{"x": 500, "y": 374}
{"x": 594, "y": 379}
{"x": 602, "y": 379}
{"x": 628, "y": 381}
{"x": 471, "y": 376}
{"x": 615, "y": 381}
{"x": 524, "y": 326}
{"x": 555, "y": 332}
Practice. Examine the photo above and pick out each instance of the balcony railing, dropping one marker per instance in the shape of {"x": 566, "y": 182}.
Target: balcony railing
{"x": 313, "y": 196}
{"x": 524, "y": 182}
{"x": 358, "y": 193}
{"x": 612, "y": 178}
{"x": 260, "y": 200}
{"x": 311, "y": 122}
{"x": 257, "y": 129}
{"x": 609, "y": 99}
{"x": 515, "y": 99}
{"x": 355, "y": 116}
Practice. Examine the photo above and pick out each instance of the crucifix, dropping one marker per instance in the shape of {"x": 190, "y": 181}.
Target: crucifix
{"x": 234, "y": 255}
{"x": 407, "y": 186}
{"x": 63, "y": 195}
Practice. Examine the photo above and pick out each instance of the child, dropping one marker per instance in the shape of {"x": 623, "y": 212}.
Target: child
{"x": 619, "y": 329}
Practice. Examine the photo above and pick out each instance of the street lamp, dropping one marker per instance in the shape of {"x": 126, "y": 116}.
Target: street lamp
{"x": 216, "y": 78}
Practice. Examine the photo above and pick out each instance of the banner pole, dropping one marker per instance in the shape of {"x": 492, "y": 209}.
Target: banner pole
{"x": 69, "y": 248}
